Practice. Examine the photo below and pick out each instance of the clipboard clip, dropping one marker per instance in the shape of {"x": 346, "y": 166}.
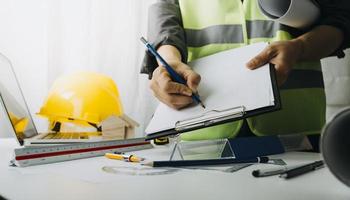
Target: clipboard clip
{"x": 210, "y": 117}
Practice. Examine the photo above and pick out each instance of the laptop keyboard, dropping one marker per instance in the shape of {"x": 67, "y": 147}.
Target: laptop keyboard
{"x": 72, "y": 135}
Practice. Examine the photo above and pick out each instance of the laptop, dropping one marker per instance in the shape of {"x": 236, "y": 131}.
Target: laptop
{"x": 16, "y": 108}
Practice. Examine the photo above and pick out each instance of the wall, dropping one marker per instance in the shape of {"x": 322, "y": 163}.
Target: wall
{"x": 23, "y": 39}
{"x": 45, "y": 39}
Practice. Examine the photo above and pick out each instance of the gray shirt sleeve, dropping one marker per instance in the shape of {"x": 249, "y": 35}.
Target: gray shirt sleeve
{"x": 164, "y": 28}
{"x": 337, "y": 13}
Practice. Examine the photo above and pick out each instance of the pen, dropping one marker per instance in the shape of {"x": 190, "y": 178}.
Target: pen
{"x": 302, "y": 169}
{"x": 175, "y": 76}
{"x": 208, "y": 162}
{"x": 274, "y": 171}
{"x": 129, "y": 158}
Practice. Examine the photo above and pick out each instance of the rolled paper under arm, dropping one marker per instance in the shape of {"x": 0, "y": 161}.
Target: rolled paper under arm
{"x": 299, "y": 14}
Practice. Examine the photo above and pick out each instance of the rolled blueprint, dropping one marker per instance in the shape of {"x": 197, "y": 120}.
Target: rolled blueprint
{"x": 299, "y": 14}
{"x": 335, "y": 146}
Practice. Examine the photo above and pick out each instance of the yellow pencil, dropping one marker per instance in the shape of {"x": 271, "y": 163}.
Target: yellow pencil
{"x": 129, "y": 158}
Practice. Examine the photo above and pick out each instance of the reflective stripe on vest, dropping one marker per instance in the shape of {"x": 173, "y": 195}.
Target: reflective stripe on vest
{"x": 232, "y": 33}
{"x": 218, "y": 25}
{"x": 264, "y": 28}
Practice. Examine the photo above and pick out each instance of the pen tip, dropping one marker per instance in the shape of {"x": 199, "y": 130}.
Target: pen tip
{"x": 256, "y": 173}
{"x": 202, "y": 105}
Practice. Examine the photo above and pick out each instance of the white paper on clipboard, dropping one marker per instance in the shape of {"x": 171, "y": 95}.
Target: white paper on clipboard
{"x": 226, "y": 83}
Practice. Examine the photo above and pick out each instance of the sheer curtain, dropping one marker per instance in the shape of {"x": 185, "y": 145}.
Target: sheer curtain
{"x": 45, "y": 39}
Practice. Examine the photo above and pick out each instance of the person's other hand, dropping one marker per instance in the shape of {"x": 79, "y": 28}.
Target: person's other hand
{"x": 282, "y": 54}
{"x": 174, "y": 94}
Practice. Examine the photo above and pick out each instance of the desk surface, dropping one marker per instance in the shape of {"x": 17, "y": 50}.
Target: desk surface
{"x": 84, "y": 179}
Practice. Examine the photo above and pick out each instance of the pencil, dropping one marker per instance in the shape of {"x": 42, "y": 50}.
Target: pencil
{"x": 173, "y": 74}
{"x": 129, "y": 158}
{"x": 302, "y": 169}
{"x": 207, "y": 162}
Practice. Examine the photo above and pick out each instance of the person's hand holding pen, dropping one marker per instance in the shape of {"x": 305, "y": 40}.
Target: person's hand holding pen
{"x": 171, "y": 93}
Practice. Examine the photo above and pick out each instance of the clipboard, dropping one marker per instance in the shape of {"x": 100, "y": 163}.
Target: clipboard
{"x": 214, "y": 117}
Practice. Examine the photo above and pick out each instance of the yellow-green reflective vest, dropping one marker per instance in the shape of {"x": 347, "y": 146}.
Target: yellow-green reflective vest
{"x": 217, "y": 25}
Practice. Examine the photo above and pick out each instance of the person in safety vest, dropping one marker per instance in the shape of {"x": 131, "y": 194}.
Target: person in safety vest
{"x": 185, "y": 30}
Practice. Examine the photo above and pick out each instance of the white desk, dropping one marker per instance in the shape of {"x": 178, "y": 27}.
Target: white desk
{"x": 86, "y": 180}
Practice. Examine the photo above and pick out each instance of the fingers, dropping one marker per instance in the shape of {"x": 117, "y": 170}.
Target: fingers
{"x": 282, "y": 72}
{"x": 262, "y": 58}
{"x": 282, "y": 67}
{"x": 173, "y": 94}
{"x": 281, "y": 80}
{"x": 193, "y": 79}
{"x": 173, "y": 100}
{"x": 167, "y": 85}
{"x": 171, "y": 87}
{"x": 281, "y": 54}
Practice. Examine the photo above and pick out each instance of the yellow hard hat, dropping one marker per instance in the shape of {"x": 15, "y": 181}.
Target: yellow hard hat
{"x": 20, "y": 124}
{"x": 82, "y": 98}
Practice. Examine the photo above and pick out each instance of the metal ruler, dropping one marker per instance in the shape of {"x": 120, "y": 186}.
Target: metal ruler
{"x": 28, "y": 156}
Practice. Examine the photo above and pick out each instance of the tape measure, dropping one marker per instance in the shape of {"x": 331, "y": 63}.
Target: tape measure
{"x": 161, "y": 141}
{"x": 28, "y": 156}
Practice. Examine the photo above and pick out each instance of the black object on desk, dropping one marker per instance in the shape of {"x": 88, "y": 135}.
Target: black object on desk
{"x": 302, "y": 169}
{"x": 207, "y": 162}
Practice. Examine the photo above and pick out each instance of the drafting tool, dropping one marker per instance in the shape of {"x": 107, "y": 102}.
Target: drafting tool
{"x": 137, "y": 170}
{"x": 27, "y": 156}
{"x": 121, "y": 156}
{"x": 161, "y": 141}
{"x": 273, "y": 171}
{"x": 302, "y": 169}
{"x": 207, "y": 162}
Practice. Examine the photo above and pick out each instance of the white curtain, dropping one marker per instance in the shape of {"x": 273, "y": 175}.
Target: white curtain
{"x": 45, "y": 39}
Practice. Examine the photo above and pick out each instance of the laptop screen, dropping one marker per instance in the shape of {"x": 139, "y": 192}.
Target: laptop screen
{"x": 13, "y": 101}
